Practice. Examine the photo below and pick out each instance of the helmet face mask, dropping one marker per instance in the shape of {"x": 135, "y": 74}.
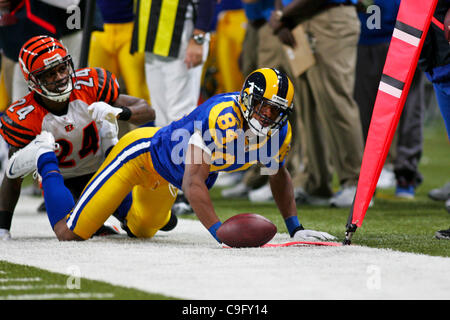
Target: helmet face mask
{"x": 42, "y": 60}
{"x": 57, "y": 90}
{"x": 260, "y": 101}
{"x": 268, "y": 113}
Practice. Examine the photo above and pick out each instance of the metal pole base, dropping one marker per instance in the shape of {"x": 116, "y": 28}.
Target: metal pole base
{"x": 351, "y": 228}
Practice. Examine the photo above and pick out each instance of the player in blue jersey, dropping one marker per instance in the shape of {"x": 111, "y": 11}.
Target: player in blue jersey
{"x": 228, "y": 132}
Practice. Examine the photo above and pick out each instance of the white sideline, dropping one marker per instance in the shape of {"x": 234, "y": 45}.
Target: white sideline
{"x": 47, "y": 296}
{"x": 187, "y": 263}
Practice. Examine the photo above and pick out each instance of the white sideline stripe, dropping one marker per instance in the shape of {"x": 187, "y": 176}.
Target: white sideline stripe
{"x": 31, "y": 287}
{"x": 58, "y": 296}
{"x": 406, "y": 37}
{"x": 390, "y": 90}
{"x": 102, "y": 176}
{"x": 20, "y": 280}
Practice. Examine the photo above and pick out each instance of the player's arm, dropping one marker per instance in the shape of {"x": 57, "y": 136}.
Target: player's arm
{"x": 110, "y": 104}
{"x": 9, "y": 195}
{"x": 197, "y": 166}
{"x": 283, "y": 194}
{"x": 140, "y": 111}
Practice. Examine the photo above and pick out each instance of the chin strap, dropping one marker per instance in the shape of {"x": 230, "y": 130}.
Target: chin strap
{"x": 257, "y": 128}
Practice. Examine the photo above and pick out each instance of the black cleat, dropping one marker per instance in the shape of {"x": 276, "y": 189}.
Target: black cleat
{"x": 443, "y": 234}
{"x": 125, "y": 228}
{"x": 42, "y": 207}
{"x": 104, "y": 231}
{"x": 171, "y": 224}
{"x": 181, "y": 206}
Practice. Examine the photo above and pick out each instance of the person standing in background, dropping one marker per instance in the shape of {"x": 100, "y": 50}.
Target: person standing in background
{"x": 174, "y": 36}
{"x": 110, "y": 49}
{"x": 329, "y": 112}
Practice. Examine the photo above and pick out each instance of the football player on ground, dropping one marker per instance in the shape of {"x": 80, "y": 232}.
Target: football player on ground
{"x": 70, "y": 104}
{"x": 228, "y": 132}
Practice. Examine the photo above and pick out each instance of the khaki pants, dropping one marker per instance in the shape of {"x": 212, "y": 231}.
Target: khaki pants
{"x": 330, "y": 115}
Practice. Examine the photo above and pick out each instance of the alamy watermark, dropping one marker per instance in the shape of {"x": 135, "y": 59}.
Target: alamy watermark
{"x": 226, "y": 148}
{"x": 73, "y": 22}
{"x": 73, "y": 282}
{"x": 374, "y": 279}
{"x": 372, "y": 22}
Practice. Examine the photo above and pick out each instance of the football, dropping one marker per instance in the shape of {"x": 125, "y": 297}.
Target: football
{"x": 246, "y": 230}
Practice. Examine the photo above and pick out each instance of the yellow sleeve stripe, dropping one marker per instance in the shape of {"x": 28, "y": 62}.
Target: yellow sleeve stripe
{"x": 166, "y": 24}
{"x": 144, "y": 18}
{"x": 284, "y": 149}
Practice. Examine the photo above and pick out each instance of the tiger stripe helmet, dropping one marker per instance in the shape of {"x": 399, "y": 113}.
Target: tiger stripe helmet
{"x": 266, "y": 86}
{"x": 40, "y": 54}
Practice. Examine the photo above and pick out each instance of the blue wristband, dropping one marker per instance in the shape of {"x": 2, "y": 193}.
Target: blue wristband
{"x": 292, "y": 224}
{"x": 213, "y": 229}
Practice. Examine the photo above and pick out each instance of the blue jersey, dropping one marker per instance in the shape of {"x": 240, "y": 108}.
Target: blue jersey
{"x": 220, "y": 124}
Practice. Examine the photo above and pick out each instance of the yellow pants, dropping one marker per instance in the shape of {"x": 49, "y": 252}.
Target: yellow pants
{"x": 127, "y": 168}
{"x": 230, "y": 36}
{"x": 4, "y": 96}
{"x": 110, "y": 49}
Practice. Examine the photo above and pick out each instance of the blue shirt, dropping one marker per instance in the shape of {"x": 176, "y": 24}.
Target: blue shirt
{"x": 286, "y": 2}
{"x": 220, "y": 124}
{"x": 259, "y": 10}
{"x": 116, "y": 11}
{"x": 388, "y": 16}
{"x": 225, "y": 6}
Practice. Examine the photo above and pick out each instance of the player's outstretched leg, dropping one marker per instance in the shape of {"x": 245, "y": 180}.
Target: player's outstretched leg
{"x": 39, "y": 154}
{"x": 58, "y": 198}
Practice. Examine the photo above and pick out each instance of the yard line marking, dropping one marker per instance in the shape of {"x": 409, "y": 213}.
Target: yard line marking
{"x": 31, "y": 287}
{"x": 58, "y": 296}
{"x": 2, "y": 272}
{"x": 20, "y": 279}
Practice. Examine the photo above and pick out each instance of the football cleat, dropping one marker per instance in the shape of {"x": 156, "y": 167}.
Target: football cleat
{"x": 443, "y": 234}
{"x": 440, "y": 194}
{"x": 106, "y": 230}
{"x": 171, "y": 224}
{"x": 24, "y": 161}
{"x": 181, "y": 206}
{"x": 5, "y": 234}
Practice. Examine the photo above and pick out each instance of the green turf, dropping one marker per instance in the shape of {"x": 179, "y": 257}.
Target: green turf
{"x": 58, "y": 285}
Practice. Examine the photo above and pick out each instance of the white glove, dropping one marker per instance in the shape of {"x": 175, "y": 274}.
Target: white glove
{"x": 312, "y": 235}
{"x": 102, "y": 111}
{"x": 4, "y": 234}
{"x": 108, "y": 135}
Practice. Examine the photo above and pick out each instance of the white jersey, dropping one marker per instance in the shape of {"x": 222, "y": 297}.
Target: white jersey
{"x": 77, "y": 134}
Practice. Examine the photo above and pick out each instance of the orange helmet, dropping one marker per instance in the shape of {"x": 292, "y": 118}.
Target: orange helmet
{"x": 37, "y": 56}
{"x": 270, "y": 87}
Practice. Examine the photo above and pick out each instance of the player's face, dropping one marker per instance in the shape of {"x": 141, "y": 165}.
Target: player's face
{"x": 266, "y": 114}
{"x": 56, "y": 79}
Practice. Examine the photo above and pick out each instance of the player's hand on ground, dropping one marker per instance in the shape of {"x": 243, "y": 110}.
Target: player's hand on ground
{"x": 312, "y": 235}
{"x": 5, "y": 234}
{"x": 102, "y": 111}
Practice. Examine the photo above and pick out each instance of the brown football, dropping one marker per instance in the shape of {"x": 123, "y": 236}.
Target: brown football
{"x": 246, "y": 230}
